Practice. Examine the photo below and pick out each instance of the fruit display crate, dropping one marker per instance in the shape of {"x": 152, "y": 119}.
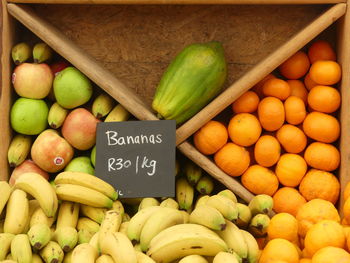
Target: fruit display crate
{"x": 123, "y": 46}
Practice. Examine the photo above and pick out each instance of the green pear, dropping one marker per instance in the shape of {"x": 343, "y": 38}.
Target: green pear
{"x": 29, "y": 116}
{"x": 93, "y": 156}
{"x": 80, "y": 164}
{"x": 72, "y": 88}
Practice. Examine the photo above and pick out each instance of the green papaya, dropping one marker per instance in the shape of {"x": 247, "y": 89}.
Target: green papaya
{"x": 193, "y": 78}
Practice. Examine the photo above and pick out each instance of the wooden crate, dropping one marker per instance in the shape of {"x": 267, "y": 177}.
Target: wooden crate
{"x": 123, "y": 46}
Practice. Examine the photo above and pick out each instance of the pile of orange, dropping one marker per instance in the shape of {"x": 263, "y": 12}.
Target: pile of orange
{"x": 281, "y": 138}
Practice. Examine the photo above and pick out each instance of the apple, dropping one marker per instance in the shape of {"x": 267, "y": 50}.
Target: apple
{"x": 26, "y": 167}
{"x": 32, "y": 81}
{"x": 58, "y": 67}
{"x": 80, "y": 164}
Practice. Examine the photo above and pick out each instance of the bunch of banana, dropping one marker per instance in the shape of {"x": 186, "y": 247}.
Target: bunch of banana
{"x": 19, "y": 149}
{"x": 57, "y": 115}
{"x": 184, "y": 194}
{"x": 85, "y": 189}
{"x": 102, "y": 105}
{"x": 118, "y": 113}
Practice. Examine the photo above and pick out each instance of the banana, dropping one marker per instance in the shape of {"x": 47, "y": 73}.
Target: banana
{"x": 261, "y": 204}
{"x": 110, "y": 224}
{"x": 195, "y": 259}
{"x": 68, "y": 257}
{"x": 104, "y": 259}
{"x": 225, "y": 257}
{"x": 52, "y": 252}
{"x": 118, "y": 206}
{"x": 5, "y": 244}
{"x": 158, "y": 221}
{"x": 202, "y": 200}
{"x": 88, "y": 224}
{"x": 57, "y": 115}
{"x": 9, "y": 257}
{"x": 66, "y": 237}
{"x": 36, "y": 258}
{"x": 124, "y": 227}
{"x": 119, "y": 247}
{"x": 8, "y": 261}
{"x": 5, "y": 190}
{"x": 244, "y": 215}
{"x": 19, "y": 149}
{"x": 2, "y": 225}
{"x": 68, "y": 214}
{"x": 87, "y": 180}
{"x": 147, "y": 202}
{"x": 82, "y": 195}
{"x": 118, "y": 113}
{"x": 41, "y": 52}
{"x": 84, "y": 236}
{"x": 21, "y": 52}
{"x": 39, "y": 217}
{"x": 205, "y": 185}
{"x": 20, "y": 249}
{"x": 186, "y": 216}
{"x": 253, "y": 248}
{"x": 229, "y": 194}
{"x": 224, "y": 205}
{"x": 102, "y": 105}
{"x": 137, "y": 247}
{"x": 35, "y": 185}
{"x": 192, "y": 172}
{"x": 185, "y": 239}
{"x": 169, "y": 202}
{"x": 125, "y": 217}
{"x": 184, "y": 193}
{"x": 84, "y": 253}
{"x": 93, "y": 155}
{"x": 94, "y": 241}
{"x": 94, "y": 213}
{"x": 143, "y": 258}
{"x": 259, "y": 224}
{"x": 234, "y": 239}
{"x": 137, "y": 222}
{"x": 16, "y": 212}
{"x": 39, "y": 236}
{"x": 208, "y": 216}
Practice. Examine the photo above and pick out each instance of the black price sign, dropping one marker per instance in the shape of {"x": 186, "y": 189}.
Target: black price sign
{"x": 137, "y": 157}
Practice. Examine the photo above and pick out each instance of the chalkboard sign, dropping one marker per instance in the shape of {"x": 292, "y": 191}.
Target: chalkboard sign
{"x": 137, "y": 157}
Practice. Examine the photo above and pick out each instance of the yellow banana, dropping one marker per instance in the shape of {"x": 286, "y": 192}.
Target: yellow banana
{"x": 261, "y": 204}
{"x": 195, "y": 259}
{"x": 19, "y": 149}
{"x": 110, "y": 224}
{"x": 229, "y": 194}
{"x": 16, "y": 212}
{"x": 8, "y": 261}
{"x": 66, "y": 237}
{"x": 39, "y": 217}
{"x": 94, "y": 241}
{"x": 225, "y": 257}
{"x": 224, "y": 205}
{"x": 244, "y": 215}
{"x": 104, "y": 259}
{"x": 5, "y": 190}
{"x": 84, "y": 236}
{"x": 118, "y": 206}
{"x": 20, "y": 249}
{"x": 118, "y": 113}
{"x": 205, "y": 185}
{"x": 184, "y": 193}
{"x": 125, "y": 217}
{"x": 147, "y": 202}
{"x": 68, "y": 214}
{"x": 208, "y": 216}
{"x": 21, "y": 52}
{"x": 102, "y": 105}
{"x": 192, "y": 172}
{"x": 36, "y": 259}
{"x": 253, "y": 247}
{"x": 87, "y": 180}
{"x": 169, "y": 202}
{"x": 137, "y": 247}
{"x": 94, "y": 213}
{"x": 35, "y": 185}
{"x": 39, "y": 236}
{"x": 185, "y": 215}
{"x": 143, "y": 258}
{"x": 87, "y": 223}
{"x": 84, "y": 253}
{"x": 41, "y": 52}
{"x": 124, "y": 227}
{"x": 5, "y": 244}
{"x": 202, "y": 200}
{"x": 57, "y": 115}
{"x": 68, "y": 257}
{"x": 52, "y": 252}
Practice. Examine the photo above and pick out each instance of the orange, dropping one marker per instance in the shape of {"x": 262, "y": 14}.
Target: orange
{"x": 232, "y": 159}
{"x": 321, "y": 127}
{"x": 314, "y": 211}
{"x": 325, "y": 72}
{"x": 260, "y": 180}
{"x": 247, "y": 103}
{"x": 276, "y": 87}
{"x": 290, "y": 169}
{"x": 267, "y": 151}
{"x": 258, "y": 87}
{"x": 279, "y": 249}
{"x": 271, "y": 113}
{"x": 321, "y": 50}
{"x": 305, "y": 260}
{"x": 211, "y": 137}
{"x": 295, "y": 110}
{"x": 324, "y": 99}
{"x": 288, "y": 200}
{"x": 292, "y": 139}
{"x": 346, "y": 210}
{"x": 244, "y": 129}
{"x": 322, "y": 156}
{"x": 320, "y": 184}
{"x": 346, "y": 193}
{"x": 283, "y": 225}
{"x": 309, "y": 83}
{"x": 331, "y": 255}
{"x": 298, "y": 89}
{"x": 296, "y": 66}
{"x": 322, "y": 234}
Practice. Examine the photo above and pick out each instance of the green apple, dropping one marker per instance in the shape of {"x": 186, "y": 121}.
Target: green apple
{"x": 72, "y": 88}
{"x": 29, "y": 116}
{"x": 80, "y": 164}
{"x": 93, "y": 156}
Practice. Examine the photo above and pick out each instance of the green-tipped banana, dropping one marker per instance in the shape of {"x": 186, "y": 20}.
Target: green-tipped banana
{"x": 192, "y": 172}
{"x": 194, "y": 259}
{"x": 57, "y": 115}
{"x": 202, "y": 200}
{"x": 104, "y": 259}
{"x": 259, "y": 224}
{"x": 253, "y": 247}
{"x": 244, "y": 215}
{"x": 5, "y": 190}
{"x": 169, "y": 202}
{"x": 19, "y": 149}
{"x": 66, "y": 237}
{"x": 142, "y": 258}
{"x": 84, "y": 236}
{"x": 17, "y": 210}
{"x": 21, "y": 52}
{"x": 225, "y": 257}
{"x": 94, "y": 241}
{"x": 42, "y": 52}
{"x": 39, "y": 235}
{"x": 102, "y": 105}
{"x": 88, "y": 224}
{"x": 110, "y": 224}
{"x": 224, "y": 205}
{"x": 5, "y": 244}
{"x": 21, "y": 250}
{"x": 261, "y": 204}
{"x": 68, "y": 214}
{"x": 94, "y": 213}
{"x": 229, "y": 194}
{"x": 118, "y": 113}
{"x": 184, "y": 193}
{"x": 147, "y": 202}
{"x": 208, "y": 216}
{"x": 205, "y": 185}
{"x": 39, "y": 217}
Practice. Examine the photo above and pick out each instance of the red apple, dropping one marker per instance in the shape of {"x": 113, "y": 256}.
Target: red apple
{"x": 59, "y": 66}
{"x": 26, "y": 167}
